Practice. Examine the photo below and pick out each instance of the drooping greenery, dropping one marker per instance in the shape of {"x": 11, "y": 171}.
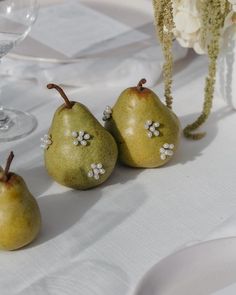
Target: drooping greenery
{"x": 213, "y": 14}
{"x": 163, "y": 11}
{"x": 213, "y": 21}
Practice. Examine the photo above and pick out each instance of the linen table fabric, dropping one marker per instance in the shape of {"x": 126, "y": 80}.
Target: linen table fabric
{"x": 103, "y": 240}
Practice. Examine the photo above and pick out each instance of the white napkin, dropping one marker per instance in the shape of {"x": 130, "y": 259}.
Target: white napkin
{"x": 119, "y": 55}
{"x": 121, "y": 70}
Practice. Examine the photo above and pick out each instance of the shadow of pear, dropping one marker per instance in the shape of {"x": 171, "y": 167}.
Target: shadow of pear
{"x": 36, "y": 179}
{"x": 189, "y": 150}
{"x": 101, "y": 212}
{"x": 61, "y": 211}
{"x": 123, "y": 174}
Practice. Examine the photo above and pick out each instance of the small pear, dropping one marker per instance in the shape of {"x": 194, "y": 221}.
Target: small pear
{"x": 79, "y": 152}
{"x": 20, "y": 218}
{"x": 146, "y": 131}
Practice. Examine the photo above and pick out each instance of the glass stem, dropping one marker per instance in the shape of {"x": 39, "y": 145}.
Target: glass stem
{"x": 4, "y": 119}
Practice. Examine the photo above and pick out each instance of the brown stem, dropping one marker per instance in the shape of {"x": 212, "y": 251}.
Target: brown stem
{"x": 140, "y": 84}
{"x": 68, "y": 103}
{"x": 7, "y": 168}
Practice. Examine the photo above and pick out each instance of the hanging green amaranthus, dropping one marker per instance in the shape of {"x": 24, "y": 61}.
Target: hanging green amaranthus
{"x": 213, "y": 14}
{"x": 165, "y": 24}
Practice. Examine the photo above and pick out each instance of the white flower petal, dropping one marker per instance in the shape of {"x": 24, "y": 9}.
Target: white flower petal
{"x": 185, "y": 43}
{"x": 186, "y": 22}
{"x": 198, "y": 48}
{"x": 189, "y": 6}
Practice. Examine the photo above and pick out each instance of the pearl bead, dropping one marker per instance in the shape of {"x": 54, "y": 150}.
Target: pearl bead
{"x": 167, "y": 152}
{"x": 96, "y": 171}
{"x": 99, "y": 166}
{"x": 102, "y": 171}
{"x": 90, "y": 174}
{"x": 75, "y": 142}
{"x": 81, "y": 133}
{"x": 149, "y": 122}
{"x": 163, "y": 157}
{"x": 93, "y": 166}
{"x": 74, "y": 134}
{"x": 170, "y": 153}
{"x": 106, "y": 117}
{"x": 171, "y": 146}
{"x": 152, "y": 128}
{"x": 146, "y": 126}
{"x": 83, "y": 142}
{"x": 156, "y": 133}
{"x": 96, "y": 176}
{"x": 87, "y": 136}
{"x": 162, "y": 150}
{"x": 108, "y": 110}
{"x": 149, "y": 134}
{"x": 156, "y": 124}
{"x": 166, "y": 145}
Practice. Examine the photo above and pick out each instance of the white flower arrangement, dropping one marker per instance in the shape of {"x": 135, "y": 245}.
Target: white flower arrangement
{"x": 188, "y": 23}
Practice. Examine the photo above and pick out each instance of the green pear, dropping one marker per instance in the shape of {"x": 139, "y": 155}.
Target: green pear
{"x": 20, "y": 218}
{"x": 146, "y": 131}
{"x": 79, "y": 152}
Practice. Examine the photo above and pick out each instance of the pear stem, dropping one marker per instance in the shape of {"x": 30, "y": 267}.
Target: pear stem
{"x": 140, "y": 84}
{"x": 62, "y": 93}
{"x": 7, "y": 168}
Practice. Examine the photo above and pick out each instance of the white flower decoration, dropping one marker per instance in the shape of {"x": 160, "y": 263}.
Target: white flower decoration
{"x": 80, "y": 137}
{"x": 152, "y": 128}
{"x": 107, "y": 113}
{"x": 96, "y": 171}
{"x": 46, "y": 141}
{"x": 187, "y": 18}
{"x": 166, "y": 151}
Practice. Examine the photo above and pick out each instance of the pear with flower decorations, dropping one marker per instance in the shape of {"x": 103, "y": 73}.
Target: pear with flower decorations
{"x": 146, "y": 131}
{"x": 79, "y": 152}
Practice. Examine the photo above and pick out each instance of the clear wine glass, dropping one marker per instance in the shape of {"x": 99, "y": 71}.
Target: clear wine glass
{"x": 16, "y": 20}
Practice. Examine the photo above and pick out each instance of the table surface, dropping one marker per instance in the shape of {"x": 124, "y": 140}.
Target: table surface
{"x": 103, "y": 240}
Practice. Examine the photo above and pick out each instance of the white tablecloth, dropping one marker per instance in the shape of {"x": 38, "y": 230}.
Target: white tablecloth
{"x": 102, "y": 241}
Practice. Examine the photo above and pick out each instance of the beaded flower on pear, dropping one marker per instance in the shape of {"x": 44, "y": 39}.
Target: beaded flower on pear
{"x": 152, "y": 128}
{"x": 166, "y": 151}
{"x": 96, "y": 171}
{"x": 107, "y": 113}
{"x": 81, "y": 137}
{"x": 46, "y": 141}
